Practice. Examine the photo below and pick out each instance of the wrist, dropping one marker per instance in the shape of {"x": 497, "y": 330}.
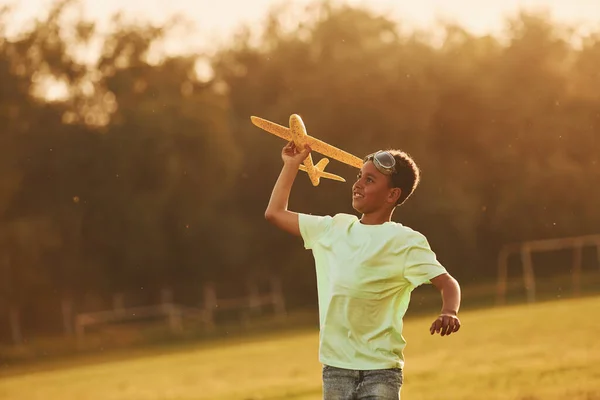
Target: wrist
{"x": 291, "y": 164}
{"x": 453, "y": 313}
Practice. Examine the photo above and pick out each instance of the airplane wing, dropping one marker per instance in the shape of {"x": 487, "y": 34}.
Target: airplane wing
{"x": 333, "y": 152}
{"x": 272, "y": 127}
{"x": 315, "y": 144}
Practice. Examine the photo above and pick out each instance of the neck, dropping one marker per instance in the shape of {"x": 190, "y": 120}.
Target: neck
{"x": 377, "y": 217}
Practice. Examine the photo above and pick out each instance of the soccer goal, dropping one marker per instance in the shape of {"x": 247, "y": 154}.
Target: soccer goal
{"x": 526, "y": 249}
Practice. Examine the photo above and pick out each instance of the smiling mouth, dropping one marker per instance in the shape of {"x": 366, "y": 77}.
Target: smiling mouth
{"x": 356, "y": 195}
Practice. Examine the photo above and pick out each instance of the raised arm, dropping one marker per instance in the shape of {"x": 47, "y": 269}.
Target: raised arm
{"x": 277, "y": 211}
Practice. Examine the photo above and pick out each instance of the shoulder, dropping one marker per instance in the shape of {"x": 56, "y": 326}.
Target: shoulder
{"x": 408, "y": 236}
{"x": 313, "y": 228}
{"x": 336, "y": 220}
{"x": 310, "y": 223}
{"x": 342, "y": 218}
{"x": 341, "y": 221}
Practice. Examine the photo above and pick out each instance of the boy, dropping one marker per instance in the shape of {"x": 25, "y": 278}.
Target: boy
{"x": 366, "y": 269}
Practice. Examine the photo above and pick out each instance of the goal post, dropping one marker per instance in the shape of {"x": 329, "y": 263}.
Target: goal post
{"x": 526, "y": 250}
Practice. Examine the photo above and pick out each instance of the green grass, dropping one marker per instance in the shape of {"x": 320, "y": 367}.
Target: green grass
{"x": 527, "y": 352}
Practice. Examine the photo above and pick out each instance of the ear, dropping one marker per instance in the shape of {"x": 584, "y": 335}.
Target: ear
{"x": 394, "y": 195}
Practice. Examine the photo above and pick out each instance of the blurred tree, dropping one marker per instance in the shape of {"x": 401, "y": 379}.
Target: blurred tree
{"x": 171, "y": 163}
{"x": 31, "y": 125}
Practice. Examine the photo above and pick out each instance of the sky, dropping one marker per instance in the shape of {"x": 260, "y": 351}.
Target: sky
{"x": 215, "y": 20}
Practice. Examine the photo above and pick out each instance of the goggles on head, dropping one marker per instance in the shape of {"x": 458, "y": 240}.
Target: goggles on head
{"x": 384, "y": 162}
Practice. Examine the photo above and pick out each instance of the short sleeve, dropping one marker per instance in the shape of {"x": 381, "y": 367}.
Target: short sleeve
{"x": 312, "y": 227}
{"x": 421, "y": 263}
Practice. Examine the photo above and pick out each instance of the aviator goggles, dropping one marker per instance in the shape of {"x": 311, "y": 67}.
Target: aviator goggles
{"x": 384, "y": 162}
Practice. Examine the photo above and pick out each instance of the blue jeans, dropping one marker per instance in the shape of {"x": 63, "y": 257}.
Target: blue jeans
{"x": 346, "y": 384}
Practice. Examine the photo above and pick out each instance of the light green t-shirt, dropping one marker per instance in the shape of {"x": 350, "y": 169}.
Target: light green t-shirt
{"x": 365, "y": 276}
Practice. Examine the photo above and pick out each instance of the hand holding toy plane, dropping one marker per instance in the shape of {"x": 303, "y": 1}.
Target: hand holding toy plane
{"x": 297, "y": 133}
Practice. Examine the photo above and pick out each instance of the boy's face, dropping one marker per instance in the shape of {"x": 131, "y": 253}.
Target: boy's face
{"x": 372, "y": 190}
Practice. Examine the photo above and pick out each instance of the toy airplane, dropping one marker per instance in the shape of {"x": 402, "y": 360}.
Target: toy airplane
{"x": 297, "y": 133}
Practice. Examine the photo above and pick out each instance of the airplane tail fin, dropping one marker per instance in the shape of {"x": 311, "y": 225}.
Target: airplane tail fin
{"x": 320, "y": 167}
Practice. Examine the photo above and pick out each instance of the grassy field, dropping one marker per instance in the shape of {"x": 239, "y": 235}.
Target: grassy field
{"x": 544, "y": 351}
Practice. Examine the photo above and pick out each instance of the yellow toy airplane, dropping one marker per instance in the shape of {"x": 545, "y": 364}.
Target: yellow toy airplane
{"x": 297, "y": 133}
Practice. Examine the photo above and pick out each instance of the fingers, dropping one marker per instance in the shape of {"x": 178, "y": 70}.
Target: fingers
{"x": 289, "y": 150}
{"x": 292, "y": 150}
{"x": 445, "y": 325}
{"x": 456, "y": 325}
{"x": 436, "y": 326}
{"x": 290, "y": 147}
{"x": 448, "y": 326}
{"x": 306, "y": 150}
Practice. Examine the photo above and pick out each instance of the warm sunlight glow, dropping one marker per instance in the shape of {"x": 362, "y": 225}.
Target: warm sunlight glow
{"x": 214, "y": 21}
{"x": 209, "y": 24}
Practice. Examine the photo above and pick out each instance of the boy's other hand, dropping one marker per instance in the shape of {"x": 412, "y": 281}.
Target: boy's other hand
{"x": 445, "y": 324}
{"x": 294, "y": 155}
